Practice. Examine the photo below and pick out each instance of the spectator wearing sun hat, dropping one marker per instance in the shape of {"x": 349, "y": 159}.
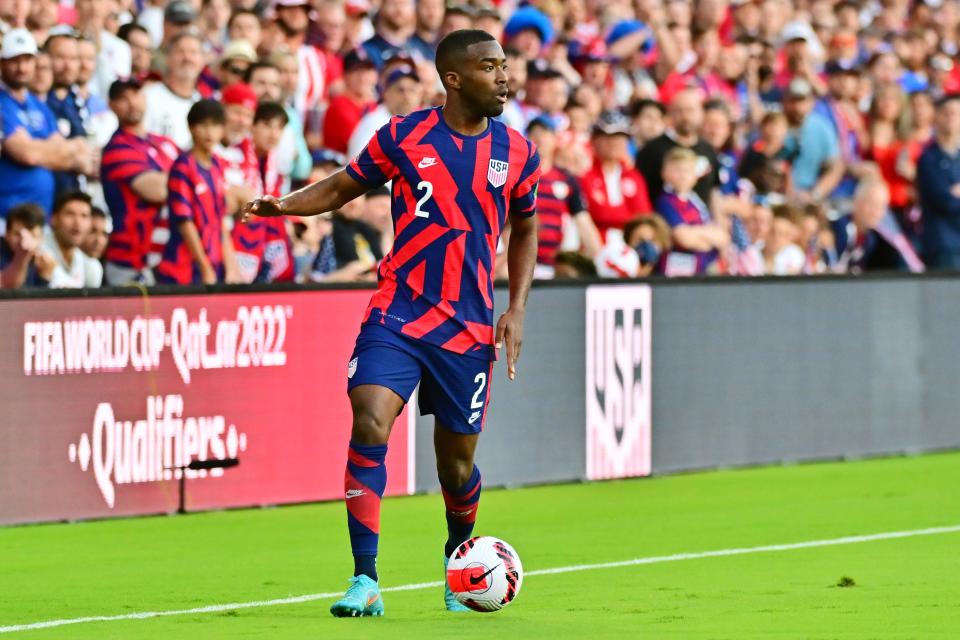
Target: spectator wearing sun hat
{"x": 528, "y": 30}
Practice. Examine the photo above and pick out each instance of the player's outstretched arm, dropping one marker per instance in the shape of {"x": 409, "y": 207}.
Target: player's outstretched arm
{"x": 326, "y": 195}
{"x": 521, "y": 259}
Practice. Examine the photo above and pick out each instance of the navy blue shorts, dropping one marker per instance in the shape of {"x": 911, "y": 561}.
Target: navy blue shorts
{"x": 454, "y": 388}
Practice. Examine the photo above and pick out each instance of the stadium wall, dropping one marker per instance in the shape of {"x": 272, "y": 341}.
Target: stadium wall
{"x": 720, "y": 372}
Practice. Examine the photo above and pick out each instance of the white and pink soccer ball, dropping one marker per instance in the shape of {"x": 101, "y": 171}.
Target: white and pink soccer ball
{"x": 485, "y": 574}
{"x": 617, "y": 260}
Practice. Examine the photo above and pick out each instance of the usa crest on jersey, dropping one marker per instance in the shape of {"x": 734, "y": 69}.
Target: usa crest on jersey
{"x": 497, "y": 173}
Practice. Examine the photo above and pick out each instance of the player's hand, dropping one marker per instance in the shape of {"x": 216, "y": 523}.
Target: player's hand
{"x": 510, "y": 329}
{"x": 264, "y": 206}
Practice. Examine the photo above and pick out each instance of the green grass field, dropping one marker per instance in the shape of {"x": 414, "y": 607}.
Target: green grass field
{"x": 904, "y": 588}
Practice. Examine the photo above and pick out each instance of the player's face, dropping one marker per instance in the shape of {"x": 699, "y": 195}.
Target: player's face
{"x": 72, "y": 223}
{"x": 483, "y": 79}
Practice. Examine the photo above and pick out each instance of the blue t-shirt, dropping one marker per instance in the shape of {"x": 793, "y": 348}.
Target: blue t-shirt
{"x": 67, "y": 114}
{"x": 20, "y": 183}
{"x": 816, "y": 144}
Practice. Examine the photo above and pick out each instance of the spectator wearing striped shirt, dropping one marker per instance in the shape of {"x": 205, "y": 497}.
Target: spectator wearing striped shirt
{"x": 199, "y": 250}
{"x": 559, "y": 203}
{"x": 134, "y": 171}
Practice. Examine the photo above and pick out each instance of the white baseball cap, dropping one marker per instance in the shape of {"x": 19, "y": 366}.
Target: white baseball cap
{"x": 18, "y": 42}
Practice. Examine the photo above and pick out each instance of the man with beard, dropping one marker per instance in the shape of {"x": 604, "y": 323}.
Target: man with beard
{"x": 685, "y": 114}
{"x": 169, "y": 100}
{"x": 395, "y": 24}
{"x": 458, "y": 174}
{"x": 63, "y": 100}
{"x": 293, "y": 19}
{"x": 32, "y": 147}
{"x": 134, "y": 172}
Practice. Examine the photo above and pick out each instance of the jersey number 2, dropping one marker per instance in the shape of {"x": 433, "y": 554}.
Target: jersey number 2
{"x": 428, "y": 191}
{"x": 481, "y": 379}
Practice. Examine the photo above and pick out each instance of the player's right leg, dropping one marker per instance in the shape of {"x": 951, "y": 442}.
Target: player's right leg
{"x": 382, "y": 375}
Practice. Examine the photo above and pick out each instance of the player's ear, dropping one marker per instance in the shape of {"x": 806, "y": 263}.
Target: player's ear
{"x": 452, "y": 79}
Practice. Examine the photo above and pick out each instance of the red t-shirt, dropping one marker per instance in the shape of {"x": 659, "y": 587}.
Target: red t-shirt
{"x": 343, "y": 115}
{"x": 633, "y": 199}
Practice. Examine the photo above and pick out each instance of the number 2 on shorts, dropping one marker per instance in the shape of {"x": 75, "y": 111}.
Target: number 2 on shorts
{"x": 481, "y": 379}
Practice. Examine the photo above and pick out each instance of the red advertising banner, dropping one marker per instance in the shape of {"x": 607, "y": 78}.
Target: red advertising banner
{"x": 101, "y": 399}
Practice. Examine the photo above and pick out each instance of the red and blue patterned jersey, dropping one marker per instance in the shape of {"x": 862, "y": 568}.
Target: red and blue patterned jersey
{"x": 451, "y": 196}
{"x": 126, "y": 157}
{"x": 196, "y": 194}
{"x": 559, "y": 195}
{"x": 682, "y": 211}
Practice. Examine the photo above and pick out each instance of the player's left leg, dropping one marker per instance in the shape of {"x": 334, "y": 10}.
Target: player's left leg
{"x": 455, "y": 389}
{"x": 460, "y": 485}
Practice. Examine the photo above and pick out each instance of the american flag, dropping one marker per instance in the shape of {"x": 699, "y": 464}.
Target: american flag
{"x": 744, "y": 259}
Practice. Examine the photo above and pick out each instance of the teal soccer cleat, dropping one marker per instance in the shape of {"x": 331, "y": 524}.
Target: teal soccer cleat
{"x": 361, "y": 599}
{"x": 448, "y": 598}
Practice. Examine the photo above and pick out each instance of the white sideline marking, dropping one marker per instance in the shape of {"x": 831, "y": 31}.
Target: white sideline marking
{"x": 233, "y": 606}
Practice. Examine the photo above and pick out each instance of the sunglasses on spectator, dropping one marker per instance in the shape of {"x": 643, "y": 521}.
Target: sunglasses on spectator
{"x": 237, "y": 71}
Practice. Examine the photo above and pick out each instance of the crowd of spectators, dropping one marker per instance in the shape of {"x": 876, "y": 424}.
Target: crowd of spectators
{"x": 677, "y": 137}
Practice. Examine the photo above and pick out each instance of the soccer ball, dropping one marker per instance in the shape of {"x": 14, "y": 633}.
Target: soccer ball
{"x": 617, "y": 261}
{"x": 485, "y": 574}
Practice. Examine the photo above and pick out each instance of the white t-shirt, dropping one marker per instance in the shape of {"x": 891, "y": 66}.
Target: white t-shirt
{"x": 151, "y": 19}
{"x": 113, "y": 62}
{"x": 367, "y": 126}
{"x": 167, "y": 113}
{"x": 83, "y": 271}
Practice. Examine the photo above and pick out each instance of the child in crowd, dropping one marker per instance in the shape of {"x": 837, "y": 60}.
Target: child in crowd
{"x": 781, "y": 251}
{"x": 696, "y": 236}
{"x": 649, "y": 235}
{"x": 200, "y": 249}
{"x": 23, "y": 260}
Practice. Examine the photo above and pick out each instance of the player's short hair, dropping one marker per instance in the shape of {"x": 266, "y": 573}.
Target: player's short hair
{"x": 452, "y": 49}
{"x": 206, "y": 111}
{"x": 267, "y": 111}
{"x": 71, "y": 196}
{"x": 29, "y": 214}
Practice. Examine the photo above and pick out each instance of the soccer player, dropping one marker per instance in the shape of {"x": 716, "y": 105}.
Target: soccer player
{"x": 456, "y": 175}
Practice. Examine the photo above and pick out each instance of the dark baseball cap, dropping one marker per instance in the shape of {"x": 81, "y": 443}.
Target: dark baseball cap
{"x": 540, "y": 68}
{"x": 612, "y": 123}
{"x": 327, "y": 156}
{"x": 399, "y": 74}
{"x": 357, "y": 59}
{"x": 123, "y": 84}
{"x": 179, "y": 12}
{"x": 837, "y": 67}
